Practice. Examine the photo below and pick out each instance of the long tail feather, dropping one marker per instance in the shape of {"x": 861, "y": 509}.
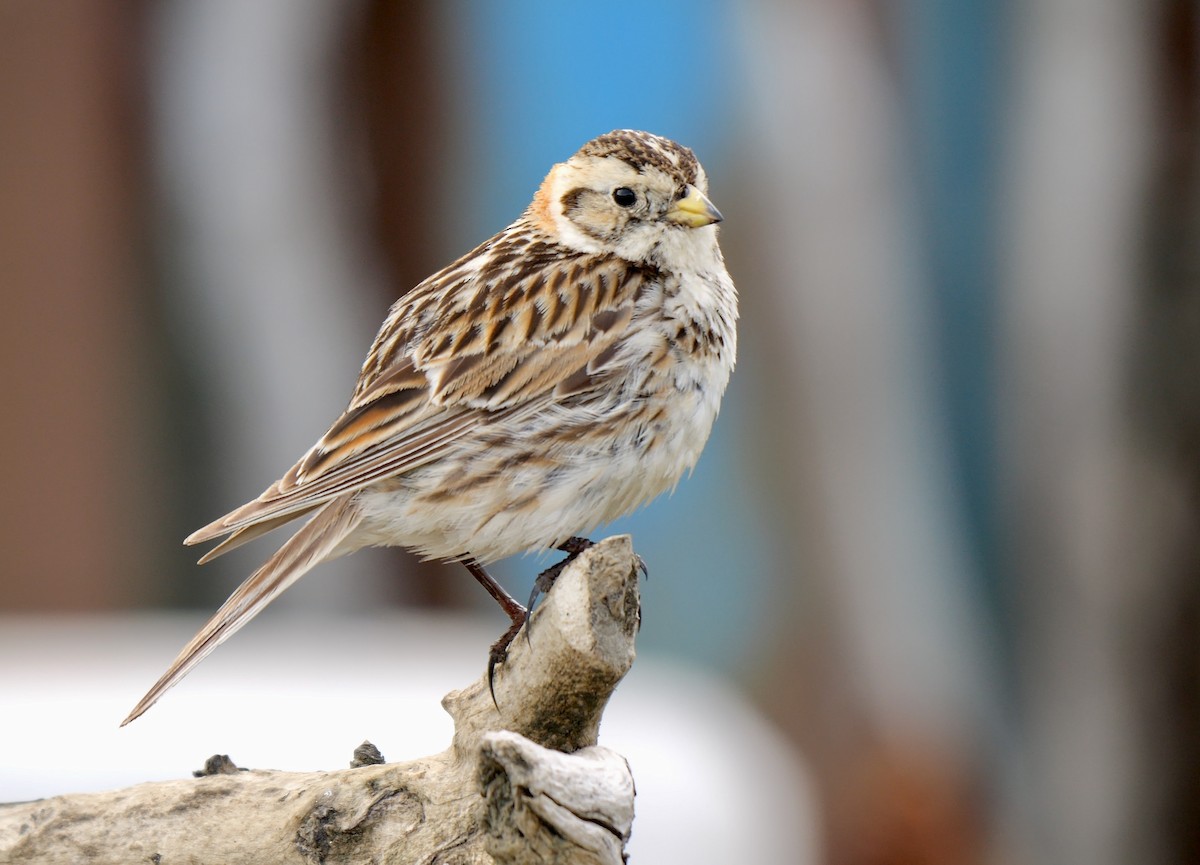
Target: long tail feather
{"x": 313, "y": 544}
{"x": 244, "y": 536}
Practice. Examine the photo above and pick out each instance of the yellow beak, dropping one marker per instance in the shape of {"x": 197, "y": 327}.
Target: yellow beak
{"x": 694, "y": 210}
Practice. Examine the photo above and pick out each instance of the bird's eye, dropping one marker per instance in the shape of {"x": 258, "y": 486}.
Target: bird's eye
{"x": 624, "y": 196}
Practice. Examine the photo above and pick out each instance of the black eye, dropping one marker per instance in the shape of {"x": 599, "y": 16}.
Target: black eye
{"x": 624, "y": 196}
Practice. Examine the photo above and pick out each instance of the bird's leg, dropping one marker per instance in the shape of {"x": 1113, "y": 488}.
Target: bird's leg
{"x": 509, "y": 604}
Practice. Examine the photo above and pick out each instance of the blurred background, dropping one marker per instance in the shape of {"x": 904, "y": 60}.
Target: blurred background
{"x": 943, "y": 541}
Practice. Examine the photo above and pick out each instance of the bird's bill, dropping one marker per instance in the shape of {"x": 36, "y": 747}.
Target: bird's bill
{"x": 694, "y": 210}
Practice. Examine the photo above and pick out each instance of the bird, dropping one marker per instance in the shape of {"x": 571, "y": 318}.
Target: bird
{"x": 559, "y": 375}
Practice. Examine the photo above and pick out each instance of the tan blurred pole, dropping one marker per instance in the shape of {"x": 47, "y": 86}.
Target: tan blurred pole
{"x": 72, "y": 469}
{"x": 292, "y": 141}
{"x": 1098, "y": 515}
{"x": 879, "y": 671}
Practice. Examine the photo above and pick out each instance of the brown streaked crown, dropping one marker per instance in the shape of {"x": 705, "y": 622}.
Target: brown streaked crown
{"x": 644, "y": 150}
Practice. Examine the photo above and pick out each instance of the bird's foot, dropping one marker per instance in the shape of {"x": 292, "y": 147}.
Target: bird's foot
{"x": 545, "y": 580}
{"x": 518, "y": 614}
{"x": 498, "y": 654}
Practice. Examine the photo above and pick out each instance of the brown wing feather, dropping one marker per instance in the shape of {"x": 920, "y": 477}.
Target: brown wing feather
{"x": 470, "y": 345}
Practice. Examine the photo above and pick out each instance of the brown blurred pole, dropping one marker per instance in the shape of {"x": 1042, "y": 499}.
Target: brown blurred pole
{"x": 402, "y": 86}
{"x": 71, "y": 472}
{"x": 1167, "y": 411}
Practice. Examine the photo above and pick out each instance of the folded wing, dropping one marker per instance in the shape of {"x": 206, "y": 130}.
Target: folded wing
{"x": 507, "y": 329}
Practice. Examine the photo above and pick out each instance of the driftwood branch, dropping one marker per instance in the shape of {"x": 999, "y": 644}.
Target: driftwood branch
{"x": 522, "y": 783}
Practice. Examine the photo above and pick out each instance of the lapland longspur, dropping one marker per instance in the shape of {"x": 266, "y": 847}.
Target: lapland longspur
{"x": 555, "y": 377}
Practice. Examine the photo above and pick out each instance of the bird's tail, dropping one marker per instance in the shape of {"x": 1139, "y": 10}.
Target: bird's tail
{"x": 316, "y": 542}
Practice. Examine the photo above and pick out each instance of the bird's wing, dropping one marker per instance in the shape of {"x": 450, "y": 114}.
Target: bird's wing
{"x": 507, "y": 329}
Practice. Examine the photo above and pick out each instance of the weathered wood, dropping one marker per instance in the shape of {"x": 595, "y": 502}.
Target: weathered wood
{"x": 548, "y": 807}
{"x": 572, "y": 803}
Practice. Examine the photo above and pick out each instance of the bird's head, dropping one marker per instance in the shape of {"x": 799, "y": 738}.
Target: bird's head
{"x": 632, "y": 194}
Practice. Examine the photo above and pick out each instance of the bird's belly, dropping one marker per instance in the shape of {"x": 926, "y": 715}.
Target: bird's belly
{"x": 535, "y": 482}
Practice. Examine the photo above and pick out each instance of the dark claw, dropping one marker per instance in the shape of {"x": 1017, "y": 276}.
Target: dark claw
{"x": 639, "y": 564}
{"x": 543, "y": 583}
{"x": 499, "y": 653}
{"x": 492, "y": 661}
